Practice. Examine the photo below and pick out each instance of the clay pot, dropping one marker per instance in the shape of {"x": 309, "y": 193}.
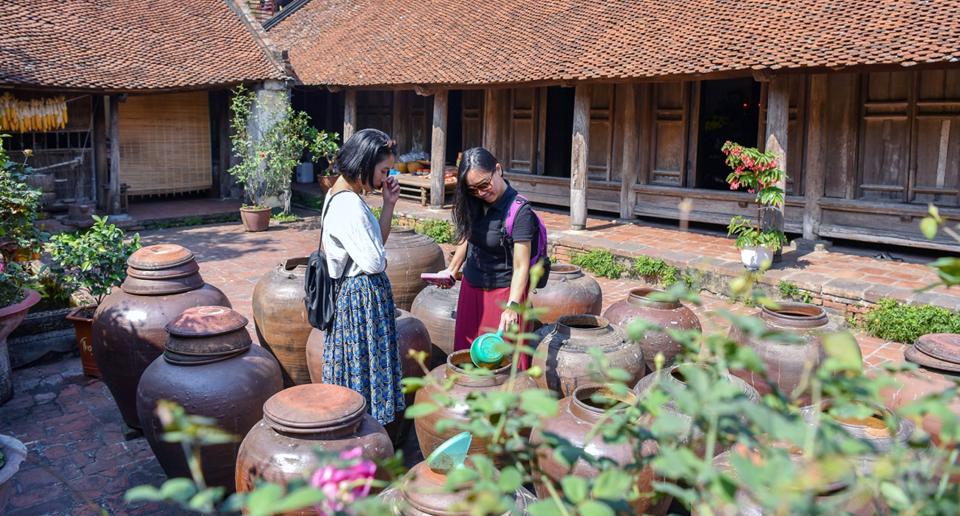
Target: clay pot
{"x": 411, "y": 336}
{"x": 463, "y": 384}
{"x": 665, "y": 314}
{"x": 327, "y": 181}
{"x": 786, "y": 362}
{"x": 10, "y": 317}
{"x": 577, "y": 415}
{"x": 14, "y": 453}
{"x": 568, "y": 292}
{"x": 437, "y": 309}
{"x": 564, "y": 357}
{"x": 129, "y": 325}
{"x": 872, "y": 429}
{"x": 410, "y": 254}
{"x": 210, "y": 368}
{"x": 255, "y": 219}
{"x": 280, "y": 318}
{"x": 421, "y": 493}
{"x": 82, "y": 319}
{"x": 298, "y": 420}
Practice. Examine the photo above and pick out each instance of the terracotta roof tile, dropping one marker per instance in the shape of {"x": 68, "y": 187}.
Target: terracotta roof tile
{"x": 401, "y": 42}
{"x": 129, "y": 45}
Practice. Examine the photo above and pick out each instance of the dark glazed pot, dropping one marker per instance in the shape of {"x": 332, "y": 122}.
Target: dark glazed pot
{"x": 210, "y": 368}
{"x": 281, "y": 318}
{"x": 280, "y": 448}
{"x": 129, "y": 325}
{"x": 568, "y": 292}
{"x": 410, "y": 254}
{"x": 463, "y": 384}
{"x": 667, "y": 315}
{"x": 437, "y": 309}
{"x": 563, "y": 354}
{"x": 787, "y": 361}
{"x": 577, "y": 415}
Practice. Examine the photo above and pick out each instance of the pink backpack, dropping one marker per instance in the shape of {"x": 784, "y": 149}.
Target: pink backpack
{"x": 540, "y": 253}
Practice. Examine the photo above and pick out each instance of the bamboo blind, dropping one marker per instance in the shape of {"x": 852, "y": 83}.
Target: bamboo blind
{"x": 165, "y": 143}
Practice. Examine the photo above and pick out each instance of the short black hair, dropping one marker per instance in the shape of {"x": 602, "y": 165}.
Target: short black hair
{"x": 361, "y": 153}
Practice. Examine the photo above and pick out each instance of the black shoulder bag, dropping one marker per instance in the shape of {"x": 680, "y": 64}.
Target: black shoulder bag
{"x": 319, "y": 288}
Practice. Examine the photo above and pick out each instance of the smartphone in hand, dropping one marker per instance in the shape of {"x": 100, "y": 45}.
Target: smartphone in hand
{"x": 440, "y": 279}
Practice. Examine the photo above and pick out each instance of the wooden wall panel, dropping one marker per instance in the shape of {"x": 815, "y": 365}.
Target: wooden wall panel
{"x": 795, "y": 133}
{"x": 472, "y": 119}
{"x": 937, "y": 129}
{"x": 600, "y": 149}
{"x": 375, "y": 110}
{"x": 523, "y": 130}
{"x": 885, "y": 137}
{"x": 668, "y": 134}
{"x": 841, "y": 123}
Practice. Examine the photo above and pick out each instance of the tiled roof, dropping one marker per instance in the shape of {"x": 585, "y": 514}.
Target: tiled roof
{"x": 129, "y": 44}
{"x": 402, "y": 42}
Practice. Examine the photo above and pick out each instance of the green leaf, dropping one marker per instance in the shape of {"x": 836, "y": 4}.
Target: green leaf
{"x": 142, "y": 494}
{"x": 843, "y": 349}
{"x": 180, "y": 489}
{"x": 574, "y": 488}
{"x": 262, "y": 500}
{"x": 595, "y": 508}
{"x": 510, "y": 480}
{"x": 928, "y": 226}
{"x": 301, "y": 498}
{"x": 539, "y": 402}
{"x": 611, "y": 484}
{"x": 205, "y": 500}
{"x": 420, "y": 410}
{"x": 894, "y": 495}
{"x": 544, "y": 508}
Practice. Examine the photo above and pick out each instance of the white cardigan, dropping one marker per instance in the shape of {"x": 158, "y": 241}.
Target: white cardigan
{"x": 350, "y": 229}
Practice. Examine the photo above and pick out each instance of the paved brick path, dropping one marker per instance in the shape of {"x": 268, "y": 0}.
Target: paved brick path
{"x": 79, "y": 460}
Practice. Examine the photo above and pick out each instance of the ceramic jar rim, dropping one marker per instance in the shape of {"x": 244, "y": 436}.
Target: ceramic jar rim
{"x": 581, "y": 407}
{"x": 567, "y": 269}
{"x": 463, "y": 377}
{"x": 639, "y": 296}
{"x": 343, "y": 424}
{"x": 796, "y": 315}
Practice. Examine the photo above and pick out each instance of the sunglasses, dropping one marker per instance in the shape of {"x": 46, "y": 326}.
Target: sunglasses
{"x": 483, "y": 186}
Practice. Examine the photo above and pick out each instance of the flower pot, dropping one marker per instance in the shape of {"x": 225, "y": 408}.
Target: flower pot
{"x": 255, "y": 219}
{"x": 82, "y": 319}
{"x": 326, "y": 182}
{"x": 10, "y": 317}
{"x": 14, "y": 452}
{"x": 753, "y": 257}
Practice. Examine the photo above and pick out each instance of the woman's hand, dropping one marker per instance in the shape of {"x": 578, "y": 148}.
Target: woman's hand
{"x": 390, "y": 190}
{"x": 452, "y": 281}
{"x": 508, "y": 319}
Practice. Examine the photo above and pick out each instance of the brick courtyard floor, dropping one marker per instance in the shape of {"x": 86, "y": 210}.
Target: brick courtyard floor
{"x": 80, "y": 462}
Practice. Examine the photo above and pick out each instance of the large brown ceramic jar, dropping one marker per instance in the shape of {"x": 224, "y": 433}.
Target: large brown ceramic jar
{"x": 872, "y": 429}
{"x": 211, "y": 368}
{"x": 665, "y": 314}
{"x": 410, "y": 254}
{"x": 577, "y": 415}
{"x": 787, "y": 362}
{"x": 129, "y": 325}
{"x": 564, "y": 353}
{"x": 463, "y": 384}
{"x": 437, "y": 309}
{"x": 411, "y": 336}
{"x": 298, "y": 420}
{"x": 568, "y": 292}
{"x": 421, "y": 493}
{"x": 280, "y": 317}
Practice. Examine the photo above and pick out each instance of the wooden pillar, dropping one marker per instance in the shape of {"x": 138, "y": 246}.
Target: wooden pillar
{"x": 578, "y": 158}
{"x": 438, "y": 148}
{"x": 816, "y": 164}
{"x": 630, "y": 172}
{"x": 778, "y": 118}
{"x": 349, "y": 113}
{"x": 491, "y": 121}
{"x": 401, "y": 121}
{"x": 114, "y": 195}
{"x": 100, "y": 121}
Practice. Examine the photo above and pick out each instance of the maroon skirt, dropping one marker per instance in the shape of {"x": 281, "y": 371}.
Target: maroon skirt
{"x": 478, "y": 312}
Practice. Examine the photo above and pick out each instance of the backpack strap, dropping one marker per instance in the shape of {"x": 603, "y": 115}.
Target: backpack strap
{"x": 511, "y": 219}
{"x": 512, "y": 212}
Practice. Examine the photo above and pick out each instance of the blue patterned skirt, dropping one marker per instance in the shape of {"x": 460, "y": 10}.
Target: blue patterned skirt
{"x": 360, "y": 351}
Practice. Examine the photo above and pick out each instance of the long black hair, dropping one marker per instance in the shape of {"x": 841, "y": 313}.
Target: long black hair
{"x": 467, "y": 208}
{"x": 361, "y": 153}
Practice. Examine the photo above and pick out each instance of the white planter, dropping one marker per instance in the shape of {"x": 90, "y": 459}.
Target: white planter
{"x": 753, "y": 257}
{"x": 305, "y": 173}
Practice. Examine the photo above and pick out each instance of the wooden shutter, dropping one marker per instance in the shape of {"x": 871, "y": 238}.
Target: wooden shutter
{"x": 885, "y": 136}
{"x": 523, "y": 130}
{"x": 668, "y": 134}
{"x": 472, "y": 119}
{"x": 600, "y": 146}
{"x": 937, "y": 130}
{"x": 375, "y": 110}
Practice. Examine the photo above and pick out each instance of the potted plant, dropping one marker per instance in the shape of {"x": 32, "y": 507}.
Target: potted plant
{"x": 12, "y": 454}
{"x": 324, "y": 145}
{"x": 93, "y": 262}
{"x": 758, "y": 173}
{"x": 269, "y": 140}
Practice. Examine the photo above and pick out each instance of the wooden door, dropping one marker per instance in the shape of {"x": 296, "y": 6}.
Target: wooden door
{"x": 668, "y": 134}
{"x": 472, "y": 119}
{"x": 523, "y": 130}
{"x": 885, "y": 136}
{"x": 936, "y": 128}
{"x": 600, "y": 153}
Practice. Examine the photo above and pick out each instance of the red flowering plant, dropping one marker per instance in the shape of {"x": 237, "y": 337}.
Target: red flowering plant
{"x": 758, "y": 173}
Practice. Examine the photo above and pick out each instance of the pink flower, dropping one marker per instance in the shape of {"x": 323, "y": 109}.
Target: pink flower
{"x": 344, "y": 483}
{"x": 750, "y": 190}
{"x": 734, "y": 185}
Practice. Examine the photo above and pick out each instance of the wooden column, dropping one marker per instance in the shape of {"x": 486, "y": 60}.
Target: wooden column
{"x": 816, "y": 164}
{"x": 349, "y": 114}
{"x": 631, "y": 170}
{"x": 578, "y": 158}
{"x": 491, "y": 122}
{"x": 101, "y": 105}
{"x": 778, "y": 118}
{"x": 438, "y": 148}
{"x": 114, "y": 195}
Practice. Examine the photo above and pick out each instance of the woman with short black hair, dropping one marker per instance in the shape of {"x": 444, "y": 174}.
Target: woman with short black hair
{"x": 360, "y": 350}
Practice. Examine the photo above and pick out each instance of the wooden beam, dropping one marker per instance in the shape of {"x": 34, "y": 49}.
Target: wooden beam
{"x": 438, "y": 148}
{"x": 630, "y": 171}
{"x": 778, "y": 119}
{"x": 816, "y": 158}
{"x": 349, "y": 114}
{"x": 491, "y": 122}
{"x": 578, "y": 158}
{"x": 114, "y": 195}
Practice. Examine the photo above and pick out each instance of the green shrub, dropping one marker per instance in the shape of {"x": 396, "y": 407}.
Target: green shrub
{"x": 600, "y": 262}
{"x": 284, "y": 218}
{"x": 891, "y": 320}
{"x": 655, "y": 270}
{"x": 441, "y": 231}
{"x": 790, "y": 290}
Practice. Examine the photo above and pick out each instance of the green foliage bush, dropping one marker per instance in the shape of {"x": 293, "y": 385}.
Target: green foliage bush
{"x": 892, "y": 320}
{"x": 441, "y": 231}
{"x": 655, "y": 270}
{"x": 790, "y": 290}
{"x": 19, "y": 235}
{"x": 600, "y": 262}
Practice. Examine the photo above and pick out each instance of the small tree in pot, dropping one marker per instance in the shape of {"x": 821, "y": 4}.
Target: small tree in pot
{"x": 94, "y": 262}
{"x": 760, "y": 174}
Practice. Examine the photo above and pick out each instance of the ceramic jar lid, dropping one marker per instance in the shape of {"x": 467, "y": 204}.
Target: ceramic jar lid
{"x": 936, "y": 350}
{"x": 161, "y": 256}
{"x": 162, "y": 269}
{"x": 314, "y": 408}
{"x": 205, "y": 334}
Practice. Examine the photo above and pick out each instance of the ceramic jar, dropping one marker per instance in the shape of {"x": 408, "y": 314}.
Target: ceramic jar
{"x": 563, "y": 353}
{"x": 280, "y": 317}
{"x": 437, "y": 309}
{"x": 410, "y": 254}
{"x": 665, "y": 314}
{"x": 129, "y": 325}
{"x": 211, "y": 368}
{"x": 280, "y": 448}
{"x": 568, "y": 292}
{"x": 872, "y": 429}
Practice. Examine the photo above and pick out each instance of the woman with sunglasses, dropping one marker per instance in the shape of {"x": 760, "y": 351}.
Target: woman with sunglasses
{"x": 496, "y": 266}
{"x": 360, "y": 349}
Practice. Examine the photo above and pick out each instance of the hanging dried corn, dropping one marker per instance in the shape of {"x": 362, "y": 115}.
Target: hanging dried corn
{"x": 40, "y": 115}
